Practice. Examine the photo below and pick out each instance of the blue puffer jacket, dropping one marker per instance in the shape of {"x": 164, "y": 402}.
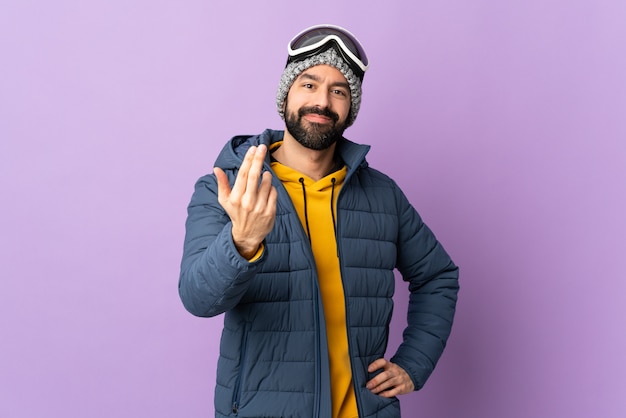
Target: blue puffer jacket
{"x": 273, "y": 355}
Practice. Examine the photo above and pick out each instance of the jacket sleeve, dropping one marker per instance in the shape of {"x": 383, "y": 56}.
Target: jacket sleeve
{"x": 433, "y": 286}
{"x": 213, "y": 276}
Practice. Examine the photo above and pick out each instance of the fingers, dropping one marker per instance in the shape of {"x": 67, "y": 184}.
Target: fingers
{"x": 256, "y": 166}
{"x": 250, "y": 171}
{"x": 377, "y": 364}
{"x": 246, "y": 186}
{"x": 392, "y": 381}
{"x": 241, "y": 181}
{"x": 267, "y": 195}
{"x": 251, "y": 203}
{"x": 223, "y": 186}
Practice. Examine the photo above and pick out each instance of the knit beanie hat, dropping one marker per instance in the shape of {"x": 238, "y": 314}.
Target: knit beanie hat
{"x": 331, "y": 57}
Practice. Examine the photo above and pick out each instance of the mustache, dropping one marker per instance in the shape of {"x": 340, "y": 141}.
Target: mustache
{"x": 318, "y": 111}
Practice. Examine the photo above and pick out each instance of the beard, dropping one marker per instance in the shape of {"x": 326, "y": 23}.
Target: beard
{"x": 315, "y": 136}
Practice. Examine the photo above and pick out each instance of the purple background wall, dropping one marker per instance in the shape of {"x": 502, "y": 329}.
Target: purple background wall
{"x": 503, "y": 121}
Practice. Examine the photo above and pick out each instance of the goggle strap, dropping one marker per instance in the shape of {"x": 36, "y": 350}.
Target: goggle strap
{"x": 319, "y": 44}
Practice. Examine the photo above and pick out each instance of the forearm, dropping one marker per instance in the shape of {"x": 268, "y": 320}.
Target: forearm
{"x": 430, "y": 316}
{"x": 214, "y": 280}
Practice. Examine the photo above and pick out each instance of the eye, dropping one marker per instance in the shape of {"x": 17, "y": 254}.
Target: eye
{"x": 340, "y": 92}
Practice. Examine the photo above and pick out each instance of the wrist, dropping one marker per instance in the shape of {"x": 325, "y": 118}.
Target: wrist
{"x": 247, "y": 252}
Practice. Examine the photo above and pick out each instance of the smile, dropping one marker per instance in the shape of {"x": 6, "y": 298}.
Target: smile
{"x": 316, "y": 118}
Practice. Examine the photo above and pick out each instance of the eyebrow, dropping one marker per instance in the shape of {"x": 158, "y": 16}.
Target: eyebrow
{"x": 316, "y": 78}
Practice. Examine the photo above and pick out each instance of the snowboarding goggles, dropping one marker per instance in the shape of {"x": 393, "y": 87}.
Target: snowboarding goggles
{"x": 314, "y": 39}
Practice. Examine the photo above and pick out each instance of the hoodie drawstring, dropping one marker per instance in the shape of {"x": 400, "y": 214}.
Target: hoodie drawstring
{"x": 332, "y": 211}
{"x": 332, "y": 208}
{"x": 306, "y": 212}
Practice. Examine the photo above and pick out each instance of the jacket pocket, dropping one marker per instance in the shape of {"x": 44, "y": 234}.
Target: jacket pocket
{"x": 238, "y": 389}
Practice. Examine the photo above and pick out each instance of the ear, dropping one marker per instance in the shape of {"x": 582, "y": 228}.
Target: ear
{"x": 284, "y": 106}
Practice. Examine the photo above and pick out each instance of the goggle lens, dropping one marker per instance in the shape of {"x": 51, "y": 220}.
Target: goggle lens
{"x": 315, "y": 37}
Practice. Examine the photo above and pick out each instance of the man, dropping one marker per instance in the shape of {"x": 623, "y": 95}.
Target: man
{"x": 295, "y": 238}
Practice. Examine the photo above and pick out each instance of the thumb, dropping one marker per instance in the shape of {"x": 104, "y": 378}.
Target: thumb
{"x": 376, "y": 365}
{"x": 223, "y": 186}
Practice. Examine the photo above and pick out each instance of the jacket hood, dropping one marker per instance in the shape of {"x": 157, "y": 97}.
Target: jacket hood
{"x": 232, "y": 154}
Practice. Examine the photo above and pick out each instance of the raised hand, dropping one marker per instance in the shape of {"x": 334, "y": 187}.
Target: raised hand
{"x": 251, "y": 203}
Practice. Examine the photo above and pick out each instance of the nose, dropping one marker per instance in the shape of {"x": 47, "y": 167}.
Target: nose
{"x": 322, "y": 99}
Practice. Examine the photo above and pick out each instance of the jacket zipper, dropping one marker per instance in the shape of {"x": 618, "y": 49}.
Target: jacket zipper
{"x": 316, "y": 307}
{"x": 238, "y": 383}
{"x": 357, "y": 393}
{"x": 318, "y": 359}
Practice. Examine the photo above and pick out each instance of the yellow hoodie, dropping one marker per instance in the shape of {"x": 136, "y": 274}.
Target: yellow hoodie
{"x": 315, "y": 202}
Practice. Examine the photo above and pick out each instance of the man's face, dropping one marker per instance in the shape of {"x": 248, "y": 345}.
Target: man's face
{"x": 317, "y": 107}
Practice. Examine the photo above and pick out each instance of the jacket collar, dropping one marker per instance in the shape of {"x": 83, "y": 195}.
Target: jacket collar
{"x": 232, "y": 154}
